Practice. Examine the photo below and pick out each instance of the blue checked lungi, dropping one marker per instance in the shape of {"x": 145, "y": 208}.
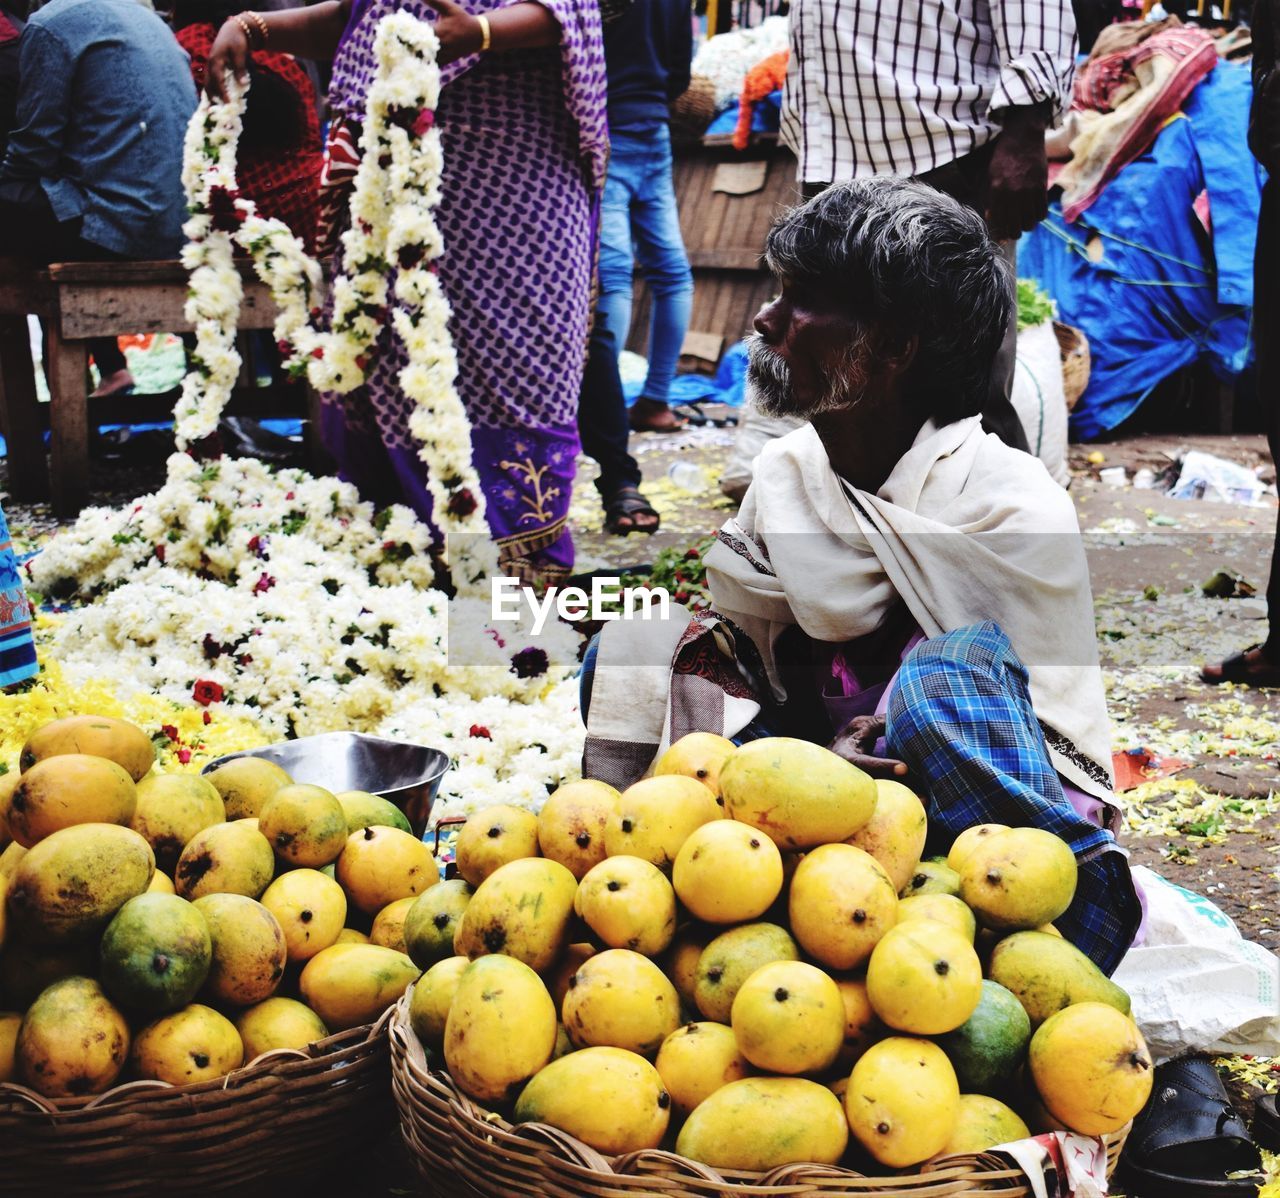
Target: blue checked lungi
{"x": 17, "y": 647}
{"x": 960, "y": 716}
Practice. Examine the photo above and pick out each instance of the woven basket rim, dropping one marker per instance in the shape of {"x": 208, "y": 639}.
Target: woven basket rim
{"x": 279, "y": 1061}
{"x": 415, "y": 1072}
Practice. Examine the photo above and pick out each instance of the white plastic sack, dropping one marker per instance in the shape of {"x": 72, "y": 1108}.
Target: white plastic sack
{"x": 1195, "y": 982}
{"x": 1039, "y": 399}
{"x": 755, "y": 431}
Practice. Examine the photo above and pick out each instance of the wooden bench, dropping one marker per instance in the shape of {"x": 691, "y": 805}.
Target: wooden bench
{"x": 76, "y": 301}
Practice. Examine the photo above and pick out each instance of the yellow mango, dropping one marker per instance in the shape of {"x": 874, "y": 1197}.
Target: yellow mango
{"x": 66, "y": 790}
{"x": 1047, "y": 973}
{"x": 388, "y": 924}
{"x": 249, "y": 949}
{"x": 970, "y": 839}
{"x": 924, "y": 978}
{"x": 629, "y": 903}
{"x": 619, "y": 999}
{"x": 571, "y": 824}
{"x": 788, "y": 1018}
{"x": 246, "y": 783}
{"x": 681, "y": 962}
{"x": 10, "y": 1022}
{"x": 699, "y": 755}
{"x": 799, "y": 793}
{"x": 727, "y": 872}
{"x": 521, "y": 910}
{"x": 432, "y": 921}
{"x": 379, "y": 865}
{"x": 731, "y": 958}
{"x": 72, "y": 1041}
{"x": 278, "y": 1023}
{"x": 943, "y": 908}
{"x": 432, "y": 997}
{"x": 1019, "y": 879}
{"x": 895, "y": 833}
{"x": 96, "y": 735}
{"x": 305, "y": 825}
{"x": 841, "y": 903}
{"x": 696, "y": 1060}
{"x": 350, "y": 984}
{"x": 171, "y": 809}
{"x": 931, "y": 877}
{"x": 501, "y": 1028}
{"x": 763, "y": 1123}
{"x": 903, "y": 1101}
{"x": 656, "y": 816}
{"x": 982, "y": 1124}
{"x": 559, "y": 978}
{"x": 862, "y": 1026}
{"x": 492, "y": 838}
{"x": 310, "y": 908}
{"x": 195, "y": 1044}
{"x": 224, "y": 859}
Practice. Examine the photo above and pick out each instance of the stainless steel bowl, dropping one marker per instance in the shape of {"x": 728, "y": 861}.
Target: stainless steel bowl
{"x": 407, "y": 775}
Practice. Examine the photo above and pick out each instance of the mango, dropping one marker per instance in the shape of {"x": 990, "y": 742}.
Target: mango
{"x": 501, "y": 1028}
{"x": 970, "y": 839}
{"x": 1019, "y": 879}
{"x": 9, "y": 780}
{"x": 799, "y": 793}
{"x": 432, "y": 997}
{"x": 379, "y": 865}
{"x": 66, "y": 790}
{"x": 560, "y": 978}
{"x": 1091, "y": 1068}
{"x": 862, "y": 1026}
{"x": 762, "y": 1123}
{"x": 249, "y": 949}
{"x": 1046, "y": 973}
{"x": 731, "y": 958}
{"x": 571, "y": 824}
{"x": 696, "y": 1060}
{"x": 310, "y": 908}
{"x": 388, "y": 924}
{"x": 610, "y": 1099}
{"x": 841, "y": 903}
{"x": 656, "y": 816}
{"x": 195, "y": 1044}
{"x": 351, "y": 936}
{"x": 924, "y": 978}
{"x": 681, "y": 961}
{"x": 699, "y": 755}
{"x": 73, "y": 1041}
{"x": 171, "y": 809}
{"x": 246, "y": 783}
{"x": 10, "y": 1022}
{"x": 224, "y": 859}
{"x": 619, "y": 999}
{"x": 895, "y": 833}
{"x": 492, "y": 838}
{"x": 155, "y": 954}
{"x": 629, "y": 903}
{"x": 278, "y": 1023}
{"x": 982, "y": 1124}
{"x": 788, "y": 1018}
{"x": 305, "y": 825}
{"x": 521, "y": 910}
{"x": 72, "y": 882}
{"x": 364, "y": 810}
{"x": 350, "y": 984}
{"x": 931, "y": 877}
{"x": 27, "y": 969}
{"x": 727, "y": 872}
{"x": 989, "y": 1047}
{"x": 432, "y": 921}
{"x": 95, "y": 735}
{"x": 903, "y": 1101}
{"x": 944, "y": 908}
{"x": 160, "y": 884}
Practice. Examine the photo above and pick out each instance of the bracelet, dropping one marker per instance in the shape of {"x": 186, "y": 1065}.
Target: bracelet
{"x": 485, "y": 38}
{"x": 244, "y": 28}
{"x": 262, "y": 26}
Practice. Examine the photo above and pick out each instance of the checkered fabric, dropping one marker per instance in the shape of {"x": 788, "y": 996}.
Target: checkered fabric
{"x": 17, "y": 648}
{"x": 960, "y": 716}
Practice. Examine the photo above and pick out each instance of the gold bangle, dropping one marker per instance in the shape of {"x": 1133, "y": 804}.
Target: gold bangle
{"x": 244, "y": 28}
{"x": 485, "y": 32}
{"x": 257, "y": 19}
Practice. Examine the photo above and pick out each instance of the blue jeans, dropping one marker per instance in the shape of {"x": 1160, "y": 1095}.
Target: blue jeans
{"x": 639, "y": 221}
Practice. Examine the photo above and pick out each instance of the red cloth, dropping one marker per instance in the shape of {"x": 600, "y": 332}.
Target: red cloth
{"x": 283, "y": 185}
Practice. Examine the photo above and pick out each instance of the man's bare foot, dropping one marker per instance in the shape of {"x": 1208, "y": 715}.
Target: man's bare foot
{"x": 653, "y": 416}
{"x": 118, "y": 383}
{"x": 1250, "y": 668}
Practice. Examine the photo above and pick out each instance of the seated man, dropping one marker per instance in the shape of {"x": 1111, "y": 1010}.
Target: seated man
{"x": 895, "y": 574}
{"x": 93, "y": 169}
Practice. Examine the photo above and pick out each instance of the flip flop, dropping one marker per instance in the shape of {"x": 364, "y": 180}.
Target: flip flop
{"x": 1189, "y": 1138}
{"x": 1236, "y": 669}
{"x": 1266, "y": 1123}
{"x": 628, "y": 501}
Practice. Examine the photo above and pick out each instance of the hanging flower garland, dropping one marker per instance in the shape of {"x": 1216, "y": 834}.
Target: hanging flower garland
{"x": 392, "y": 228}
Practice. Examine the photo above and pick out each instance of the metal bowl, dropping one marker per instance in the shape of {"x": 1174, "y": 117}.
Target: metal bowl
{"x": 407, "y": 775}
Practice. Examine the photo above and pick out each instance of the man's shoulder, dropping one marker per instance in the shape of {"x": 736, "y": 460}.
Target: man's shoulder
{"x": 77, "y": 18}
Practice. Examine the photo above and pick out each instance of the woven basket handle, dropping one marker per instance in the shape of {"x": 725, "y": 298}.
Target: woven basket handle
{"x": 127, "y": 1090}
{"x": 23, "y": 1094}
{"x": 567, "y": 1147}
{"x": 654, "y": 1160}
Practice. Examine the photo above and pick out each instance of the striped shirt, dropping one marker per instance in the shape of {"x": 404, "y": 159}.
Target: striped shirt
{"x": 900, "y": 87}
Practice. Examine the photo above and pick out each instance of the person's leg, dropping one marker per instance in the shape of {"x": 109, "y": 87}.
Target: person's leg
{"x": 660, "y": 249}
{"x": 617, "y": 259}
{"x": 960, "y": 716}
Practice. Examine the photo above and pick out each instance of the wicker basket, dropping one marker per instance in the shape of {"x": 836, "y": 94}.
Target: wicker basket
{"x": 462, "y": 1150}
{"x": 288, "y": 1113}
{"x": 693, "y": 110}
{"x": 1073, "y": 345}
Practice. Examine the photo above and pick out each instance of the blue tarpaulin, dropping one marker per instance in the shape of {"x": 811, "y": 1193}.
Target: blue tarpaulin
{"x": 1139, "y": 273}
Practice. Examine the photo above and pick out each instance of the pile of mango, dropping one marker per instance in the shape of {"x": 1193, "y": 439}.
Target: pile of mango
{"x": 173, "y": 926}
{"x": 743, "y": 958}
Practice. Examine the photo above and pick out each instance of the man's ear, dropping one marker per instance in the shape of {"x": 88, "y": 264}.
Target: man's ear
{"x": 892, "y": 351}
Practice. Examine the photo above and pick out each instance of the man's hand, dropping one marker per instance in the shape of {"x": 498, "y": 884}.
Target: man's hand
{"x": 1019, "y": 195}
{"x": 857, "y": 742}
{"x": 459, "y": 32}
{"x": 228, "y": 55}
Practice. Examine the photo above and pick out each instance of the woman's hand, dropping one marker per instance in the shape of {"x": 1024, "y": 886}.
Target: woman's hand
{"x": 459, "y": 32}
{"x": 229, "y": 54}
{"x": 857, "y": 742}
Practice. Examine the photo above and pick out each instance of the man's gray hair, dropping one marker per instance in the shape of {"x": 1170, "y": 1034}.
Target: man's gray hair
{"x": 906, "y": 255}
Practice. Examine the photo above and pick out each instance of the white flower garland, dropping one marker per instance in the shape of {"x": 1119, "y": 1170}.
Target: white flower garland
{"x": 392, "y": 227}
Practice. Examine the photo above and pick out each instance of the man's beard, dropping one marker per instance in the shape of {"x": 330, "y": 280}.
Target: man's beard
{"x": 774, "y": 394}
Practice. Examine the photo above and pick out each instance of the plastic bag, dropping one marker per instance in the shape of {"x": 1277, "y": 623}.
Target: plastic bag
{"x": 1205, "y": 476}
{"x": 1195, "y": 982}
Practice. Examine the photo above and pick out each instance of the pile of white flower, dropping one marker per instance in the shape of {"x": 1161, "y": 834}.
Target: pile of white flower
{"x": 282, "y": 596}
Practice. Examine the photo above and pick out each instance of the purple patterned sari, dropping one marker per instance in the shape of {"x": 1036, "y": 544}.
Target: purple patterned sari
{"x": 525, "y": 146}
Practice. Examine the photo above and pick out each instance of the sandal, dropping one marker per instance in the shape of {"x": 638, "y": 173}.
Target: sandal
{"x": 1266, "y": 1123}
{"x": 627, "y": 503}
{"x": 1237, "y": 669}
{"x": 1189, "y": 1138}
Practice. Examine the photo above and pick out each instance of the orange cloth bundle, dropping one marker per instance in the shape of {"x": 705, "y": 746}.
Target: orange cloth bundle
{"x": 763, "y": 78}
